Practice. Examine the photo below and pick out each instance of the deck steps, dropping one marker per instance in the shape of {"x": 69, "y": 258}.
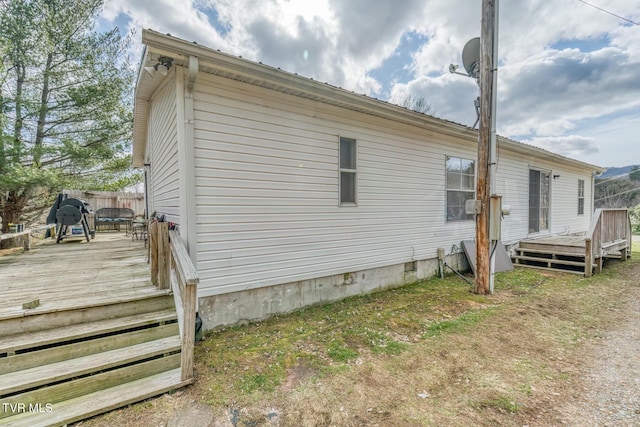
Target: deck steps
{"x": 20, "y": 321}
{"x": 537, "y": 267}
{"x": 98, "y": 402}
{"x": 70, "y": 368}
{"x": 64, "y": 365}
{"x": 551, "y": 258}
{"x": 15, "y": 343}
{"x": 549, "y": 261}
{"x": 74, "y": 351}
{"x": 549, "y": 252}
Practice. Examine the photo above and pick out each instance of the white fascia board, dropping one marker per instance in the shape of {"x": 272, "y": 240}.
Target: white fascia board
{"x": 140, "y": 116}
{"x": 541, "y": 153}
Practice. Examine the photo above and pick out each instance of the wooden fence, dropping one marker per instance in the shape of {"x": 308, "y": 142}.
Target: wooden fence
{"x": 108, "y": 199}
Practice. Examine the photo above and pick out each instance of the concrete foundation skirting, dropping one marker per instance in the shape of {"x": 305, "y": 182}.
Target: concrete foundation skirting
{"x": 257, "y": 304}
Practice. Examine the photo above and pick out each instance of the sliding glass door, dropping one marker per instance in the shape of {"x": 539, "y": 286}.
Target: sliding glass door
{"x": 539, "y": 192}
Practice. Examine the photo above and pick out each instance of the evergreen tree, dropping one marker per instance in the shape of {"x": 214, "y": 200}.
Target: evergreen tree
{"x": 65, "y": 92}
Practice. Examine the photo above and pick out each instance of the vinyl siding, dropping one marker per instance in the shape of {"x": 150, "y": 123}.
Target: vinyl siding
{"x": 512, "y": 180}
{"x": 564, "y": 201}
{"x": 513, "y": 184}
{"x": 267, "y": 190}
{"x": 164, "y": 197}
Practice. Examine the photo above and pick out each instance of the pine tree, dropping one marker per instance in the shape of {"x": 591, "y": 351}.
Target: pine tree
{"x": 65, "y": 92}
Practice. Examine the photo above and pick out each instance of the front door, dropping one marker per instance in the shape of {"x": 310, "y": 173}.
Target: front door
{"x": 538, "y": 201}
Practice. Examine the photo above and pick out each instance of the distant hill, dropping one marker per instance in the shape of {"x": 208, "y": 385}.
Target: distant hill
{"x": 611, "y": 172}
{"x": 618, "y": 188}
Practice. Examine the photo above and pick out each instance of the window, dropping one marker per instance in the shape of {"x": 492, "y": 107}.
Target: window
{"x": 581, "y": 197}
{"x": 460, "y": 187}
{"x": 539, "y": 191}
{"x": 348, "y": 170}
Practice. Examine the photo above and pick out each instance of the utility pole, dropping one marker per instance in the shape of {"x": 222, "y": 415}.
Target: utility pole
{"x": 486, "y": 165}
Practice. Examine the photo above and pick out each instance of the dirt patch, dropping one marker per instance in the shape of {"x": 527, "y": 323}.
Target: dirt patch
{"x": 605, "y": 377}
{"x": 428, "y": 354}
{"x": 297, "y": 375}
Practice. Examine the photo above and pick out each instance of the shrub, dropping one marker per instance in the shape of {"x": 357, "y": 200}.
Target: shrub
{"x": 634, "y": 213}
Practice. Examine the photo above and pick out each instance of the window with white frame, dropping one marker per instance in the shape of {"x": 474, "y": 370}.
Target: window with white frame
{"x": 581, "y": 197}
{"x": 460, "y": 187}
{"x": 348, "y": 171}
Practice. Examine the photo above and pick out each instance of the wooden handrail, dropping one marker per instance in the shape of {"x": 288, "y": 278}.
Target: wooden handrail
{"x": 26, "y": 234}
{"x": 608, "y": 226}
{"x": 185, "y": 267}
{"x": 591, "y": 241}
{"x": 595, "y": 223}
{"x": 171, "y": 267}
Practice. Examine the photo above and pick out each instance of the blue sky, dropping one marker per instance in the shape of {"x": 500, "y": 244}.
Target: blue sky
{"x": 569, "y": 77}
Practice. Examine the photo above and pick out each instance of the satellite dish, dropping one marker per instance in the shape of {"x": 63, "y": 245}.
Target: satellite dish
{"x": 471, "y": 57}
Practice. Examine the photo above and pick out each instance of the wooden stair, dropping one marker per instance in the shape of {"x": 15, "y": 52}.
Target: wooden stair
{"x": 62, "y": 366}
{"x": 567, "y": 259}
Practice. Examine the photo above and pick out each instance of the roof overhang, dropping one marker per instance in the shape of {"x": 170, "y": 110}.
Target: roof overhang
{"x": 530, "y": 150}
{"x": 221, "y": 64}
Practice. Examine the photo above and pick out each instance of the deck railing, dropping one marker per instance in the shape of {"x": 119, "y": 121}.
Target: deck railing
{"x": 172, "y": 268}
{"x": 23, "y": 238}
{"x": 610, "y": 231}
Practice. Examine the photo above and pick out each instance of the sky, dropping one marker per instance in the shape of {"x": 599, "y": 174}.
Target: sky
{"x": 568, "y": 73}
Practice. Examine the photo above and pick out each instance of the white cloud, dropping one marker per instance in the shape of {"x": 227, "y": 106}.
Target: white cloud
{"x": 450, "y": 97}
{"x": 570, "y": 145}
{"x": 566, "y": 69}
{"x": 549, "y": 93}
{"x": 179, "y": 18}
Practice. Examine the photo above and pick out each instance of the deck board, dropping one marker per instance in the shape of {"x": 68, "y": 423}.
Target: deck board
{"x": 75, "y": 273}
{"x": 575, "y": 241}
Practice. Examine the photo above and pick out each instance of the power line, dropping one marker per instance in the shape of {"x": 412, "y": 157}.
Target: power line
{"x": 604, "y": 181}
{"x": 610, "y": 13}
{"x": 618, "y": 194}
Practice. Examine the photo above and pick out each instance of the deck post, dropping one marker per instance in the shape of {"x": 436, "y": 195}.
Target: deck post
{"x": 153, "y": 252}
{"x": 588, "y": 257}
{"x": 164, "y": 250}
{"x": 185, "y": 294}
{"x": 188, "y": 330}
{"x": 599, "y": 263}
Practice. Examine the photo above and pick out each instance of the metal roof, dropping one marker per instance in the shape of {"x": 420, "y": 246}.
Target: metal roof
{"x": 255, "y": 73}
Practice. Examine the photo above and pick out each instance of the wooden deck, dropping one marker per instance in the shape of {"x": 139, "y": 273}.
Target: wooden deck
{"x": 559, "y": 242}
{"x": 109, "y": 268}
{"x": 100, "y": 337}
{"x": 609, "y": 236}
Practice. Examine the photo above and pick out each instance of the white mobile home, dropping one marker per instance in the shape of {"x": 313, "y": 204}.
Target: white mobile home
{"x": 290, "y": 192}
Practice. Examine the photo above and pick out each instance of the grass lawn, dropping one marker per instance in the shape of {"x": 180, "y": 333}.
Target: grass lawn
{"x": 432, "y": 353}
